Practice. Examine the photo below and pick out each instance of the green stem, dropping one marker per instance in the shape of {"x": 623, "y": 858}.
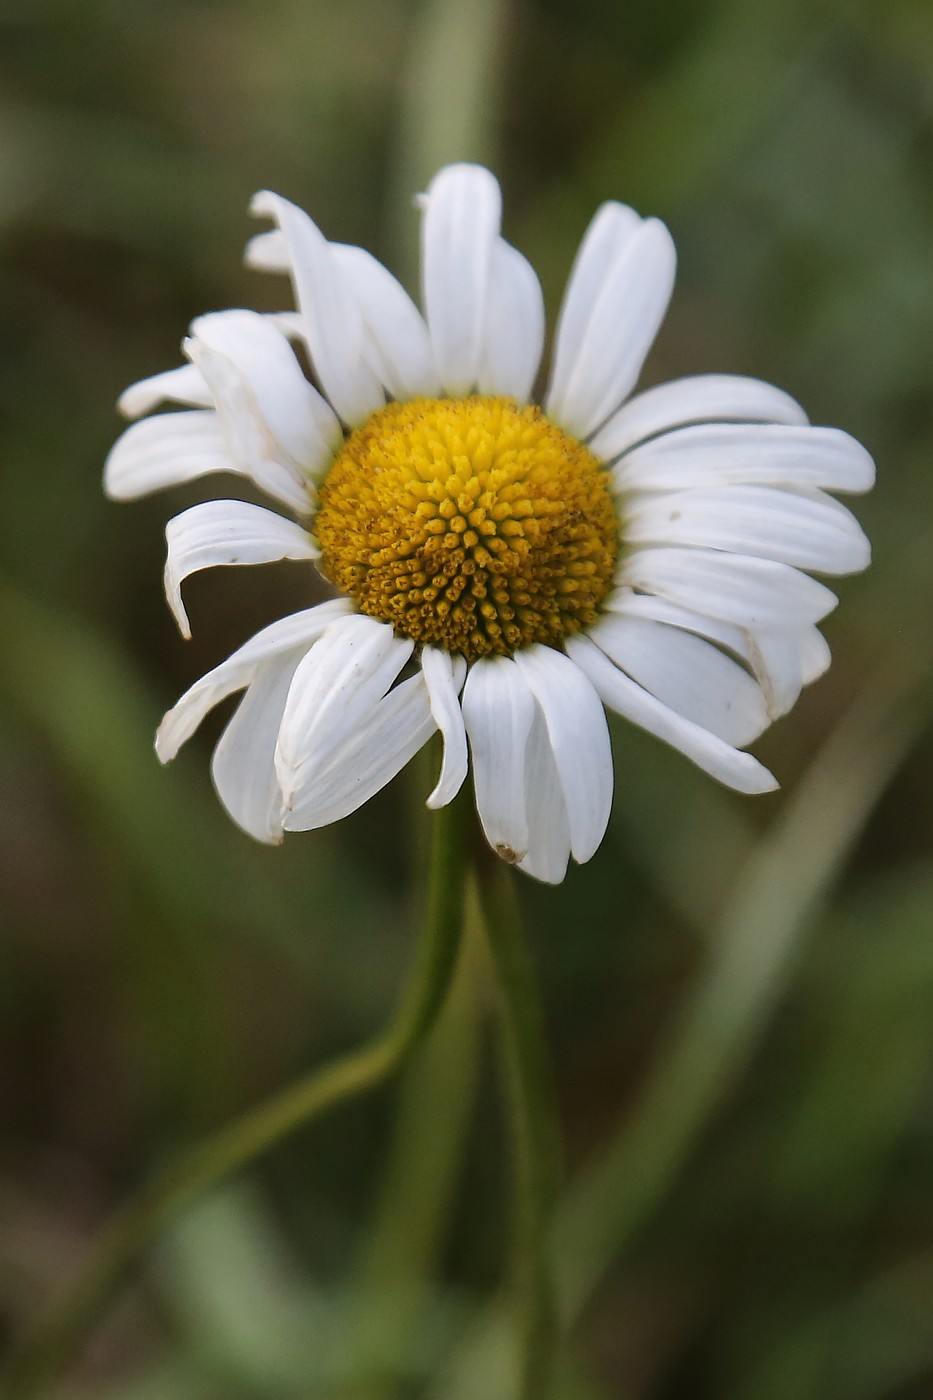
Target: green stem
{"x": 534, "y": 1126}
{"x": 44, "y": 1352}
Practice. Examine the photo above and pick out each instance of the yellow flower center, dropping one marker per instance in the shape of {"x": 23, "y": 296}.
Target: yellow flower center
{"x": 469, "y": 524}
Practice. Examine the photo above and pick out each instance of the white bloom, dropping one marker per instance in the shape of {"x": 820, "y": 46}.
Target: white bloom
{"x": 523, "y": 568}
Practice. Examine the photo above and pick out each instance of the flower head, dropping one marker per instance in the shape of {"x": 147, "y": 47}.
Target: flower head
{"x": 503, "y": 570}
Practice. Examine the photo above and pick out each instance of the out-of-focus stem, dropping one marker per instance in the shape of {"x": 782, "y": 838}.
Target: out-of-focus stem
{"x": 533, "y": 1120}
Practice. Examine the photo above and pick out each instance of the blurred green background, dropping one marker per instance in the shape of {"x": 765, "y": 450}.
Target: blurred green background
{"x": 739, "y": 992}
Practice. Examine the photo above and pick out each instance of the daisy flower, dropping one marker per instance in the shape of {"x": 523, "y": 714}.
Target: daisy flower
{"x": 503, "y": 571}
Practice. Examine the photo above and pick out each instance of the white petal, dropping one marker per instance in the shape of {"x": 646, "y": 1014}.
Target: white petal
{"x": 461, "y": 215}
{"x": 755, "y": 593}
{"x": 782, "y": 662}
{"x": 777, "y": 660}
{"x": 297, "y": 418}
{"x": 720, "y": 454}
{"x": 336, "y": 688}
{"x": 297, "y": 631}
{"x": 809, "y": 531}
{"x": 367, "y": 759}
{"x": 647, "y": 605}
{"x": 611, "y": 229}
{"x": 167, "y": 450}
{"x": 398, "y": 345}
{"x": 226, "y": 532}
{"x": 242, "y": 767}
{"x": 548, "y": 827}
{"x": 737, "y": 770}
{"x": 498, "y": 709}
{"x": 688, "y": 674}
{"x": 701, "y": 398}
{"x": 579, "y": 736}
{"x": 444, "y": 675}
{"x": 333, "y": 322}
{"x": 815, "y": 655}
{"x": 268, "y": 252}
{"x": 183, "y": 385}
{"x": 513, "y": 336}
{"x": 627, "y": 311}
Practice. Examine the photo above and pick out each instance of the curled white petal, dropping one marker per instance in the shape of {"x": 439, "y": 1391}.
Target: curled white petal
{"x": 808, "y": 530}
{"x": 444, "y": 675}
{"x": 752, "y": 593}
{"x": 226, "y": 532}
{"x": 296, "y": 418}
{"x": 548, "y": 826}
{"x": 688, "y": 674}
{"x": 498, "y": 709}
{"x": 626, "y": 313}
{"x": 332, "y": 317}
{"x": 700, "y": 398}
{"x": 366, "y": 759}
{"x": 723, "y": 454}
{"x": 815, "y": 656}
{"x": 460, "y": 225}
{"x": 782, "y": 662}
{"x": 268, "y": 252}
{"x": 737, "y": 770}
{"x": 398, "y": 345}
{"x": 336, "y": 688}
{"x": 579, "y": 737}
{"x": 167, "y": 450}
{"x": 242, "y": 767}
{"x": 184, "y": 385}
{"x": 293, "y": 633}
{"x": 513, "y": 336}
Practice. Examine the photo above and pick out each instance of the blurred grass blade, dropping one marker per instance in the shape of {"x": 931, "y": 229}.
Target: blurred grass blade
{"x": 450, "y": 95}
{"x": 753, "y": 954}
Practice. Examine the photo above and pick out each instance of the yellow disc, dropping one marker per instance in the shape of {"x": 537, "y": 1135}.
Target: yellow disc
{"x": 469, "y": 524}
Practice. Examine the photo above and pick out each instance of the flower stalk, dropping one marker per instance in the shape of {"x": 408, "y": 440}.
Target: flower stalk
{"x": 45, "y": 1352}
{"x": 535, "y": 1133}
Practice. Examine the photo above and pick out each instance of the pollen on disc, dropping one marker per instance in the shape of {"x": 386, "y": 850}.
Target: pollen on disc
{"x": 470, "y": 524}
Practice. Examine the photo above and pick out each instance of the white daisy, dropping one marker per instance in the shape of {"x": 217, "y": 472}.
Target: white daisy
{"x": 521, "y": 567}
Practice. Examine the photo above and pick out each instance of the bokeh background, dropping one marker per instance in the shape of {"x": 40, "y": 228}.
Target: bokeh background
{"x": 739, "y": 992}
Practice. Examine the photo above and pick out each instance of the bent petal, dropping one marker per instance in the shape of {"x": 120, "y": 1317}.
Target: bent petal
{"x": 737, "y": 770}
{"x": 498, "y": 709}
{"x": 226, "y": 532}
{"x": 184, "y": 385}
{"x": 579, "y": 737}
{"x": 332, "y": 318}
{"x": 297, "y": 419}
{"x": 460, "y": 227}
{"x": 242, "y": 766}
{"x": 336, "y": 688}
{"x": 444, "y": 675}
{"x": 377, "y": 749}
{"x": 548, "y": 827}
{"x": 167, "y": 450}
{"x": 293, "y": 633}
{"x": 687, "y": 674}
